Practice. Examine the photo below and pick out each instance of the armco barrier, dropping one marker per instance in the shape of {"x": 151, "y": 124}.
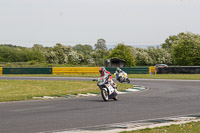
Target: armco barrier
{"x": 180, "y": 70}
{"x": 72, "y": 70}
{"x": 75, "y": 70}
{"x": 27, "y": 70}
{"x": 1, "y": 69}
{"x": 130, "y": 70}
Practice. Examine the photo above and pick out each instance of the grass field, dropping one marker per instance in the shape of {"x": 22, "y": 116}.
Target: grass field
{"x": 145, "y": 76}
{"x": 192, "y": 127}
{"x": 17, "y": 90}
{"x": 166, "y": 76}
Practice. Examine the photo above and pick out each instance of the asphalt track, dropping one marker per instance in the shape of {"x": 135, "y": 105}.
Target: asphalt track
{"x": 165, "y": 98}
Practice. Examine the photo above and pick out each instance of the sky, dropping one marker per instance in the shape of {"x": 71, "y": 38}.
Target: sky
{"x": 70, "y": 22}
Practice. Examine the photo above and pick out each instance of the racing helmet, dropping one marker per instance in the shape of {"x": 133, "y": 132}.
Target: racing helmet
{"x": 118, "y": 69}
{"x": 102, "y": 70}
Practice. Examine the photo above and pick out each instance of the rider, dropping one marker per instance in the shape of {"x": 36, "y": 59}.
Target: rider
{"x": 119, "y": 72}
{"x": 108, "y": 76}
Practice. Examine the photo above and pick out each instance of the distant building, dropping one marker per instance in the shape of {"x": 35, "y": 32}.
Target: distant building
{"x": 115, "y": 62}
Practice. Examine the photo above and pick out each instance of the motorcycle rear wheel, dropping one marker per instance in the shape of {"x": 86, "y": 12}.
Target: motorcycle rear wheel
{"x": 104, "y": 94}
{"x": 128, "y": 81}
{"x": 120, "y": 80}
{"x": 115, "y": 97}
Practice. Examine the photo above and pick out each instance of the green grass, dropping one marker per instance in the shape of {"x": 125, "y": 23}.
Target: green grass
{"x": 144, "y": 76}
{"x": 192, "y": 127}
{"x": 166, "y": 76}
{"x": 51, "y": 75}
{"x": 17, "y": 90}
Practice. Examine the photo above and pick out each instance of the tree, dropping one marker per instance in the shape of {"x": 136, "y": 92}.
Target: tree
{"x": 159, "y": 55}
{"x": 141, "y": 56}
{"x": 101, "y": 44}
{"x": 9, "y": 53}
{"x": 169, "y": 41}
{"x": 186, "y": 51}
{"x": 123, "y": 52}
{"x": 84, "y": 49}
{"x": 51, "y": 57}
{"x": 63, "y": 54}
{"x": 84, "y": 52}
{"x": 35, "y": 56}
{"x": 75, "y": 58}
{"x": 184, "y": 48}
{"x": 58, "y": 54}
{"x": 100, "y": 52}
{"x": 39, "y": 48}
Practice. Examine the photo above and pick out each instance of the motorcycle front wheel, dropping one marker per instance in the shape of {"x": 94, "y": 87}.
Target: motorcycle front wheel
{"x": 104, "y": 94}
{"x": 120, "y": 80}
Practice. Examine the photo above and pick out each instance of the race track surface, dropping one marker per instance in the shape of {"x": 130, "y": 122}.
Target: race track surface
{"x": 165, "y": 98}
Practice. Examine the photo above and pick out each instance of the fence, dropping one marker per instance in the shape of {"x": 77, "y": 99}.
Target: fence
{"x": 180, "y": 70}
{"x": 20, "y": 70}
{"x": 130, "y": 70}
{"x": 75, "y": 70}
{"x": 95, "y": 70}
{"x": 1, "y": 69}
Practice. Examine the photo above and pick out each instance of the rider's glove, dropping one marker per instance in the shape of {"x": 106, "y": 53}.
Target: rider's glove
{"x": 106, "y": 82}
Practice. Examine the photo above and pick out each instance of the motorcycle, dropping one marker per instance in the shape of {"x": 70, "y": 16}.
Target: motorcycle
{"x": 122, "y": 77}
{"x": 107, "y": 91}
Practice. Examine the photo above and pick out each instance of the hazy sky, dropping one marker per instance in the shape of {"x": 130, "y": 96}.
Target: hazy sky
{"x": 141, "y": 22}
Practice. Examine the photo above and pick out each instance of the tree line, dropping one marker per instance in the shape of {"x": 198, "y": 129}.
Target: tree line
{"x": 181, "y": 49}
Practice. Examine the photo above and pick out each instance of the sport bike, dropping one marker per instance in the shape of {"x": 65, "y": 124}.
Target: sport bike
{"x": 122, "y": 77}
{"x": 107, "y": 91}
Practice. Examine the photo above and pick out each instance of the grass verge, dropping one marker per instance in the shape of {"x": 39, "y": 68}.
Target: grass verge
{"x": 166, "y": 76}
{"x": 192, "y": 127}
{"x": 144, "y": 76}
{"x": 17, "y": 90}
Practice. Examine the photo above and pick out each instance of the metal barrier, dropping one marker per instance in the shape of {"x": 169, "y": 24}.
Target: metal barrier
{"x": 130, "y": 70}
{"x": 1, "y": 70}
{"x": 75, "y": 70}
{"x": 37, "y": 70}
{"x": 180, "y": 70}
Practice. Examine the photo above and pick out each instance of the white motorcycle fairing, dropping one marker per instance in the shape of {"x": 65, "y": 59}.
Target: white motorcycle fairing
{"x": 110, "y": 88}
